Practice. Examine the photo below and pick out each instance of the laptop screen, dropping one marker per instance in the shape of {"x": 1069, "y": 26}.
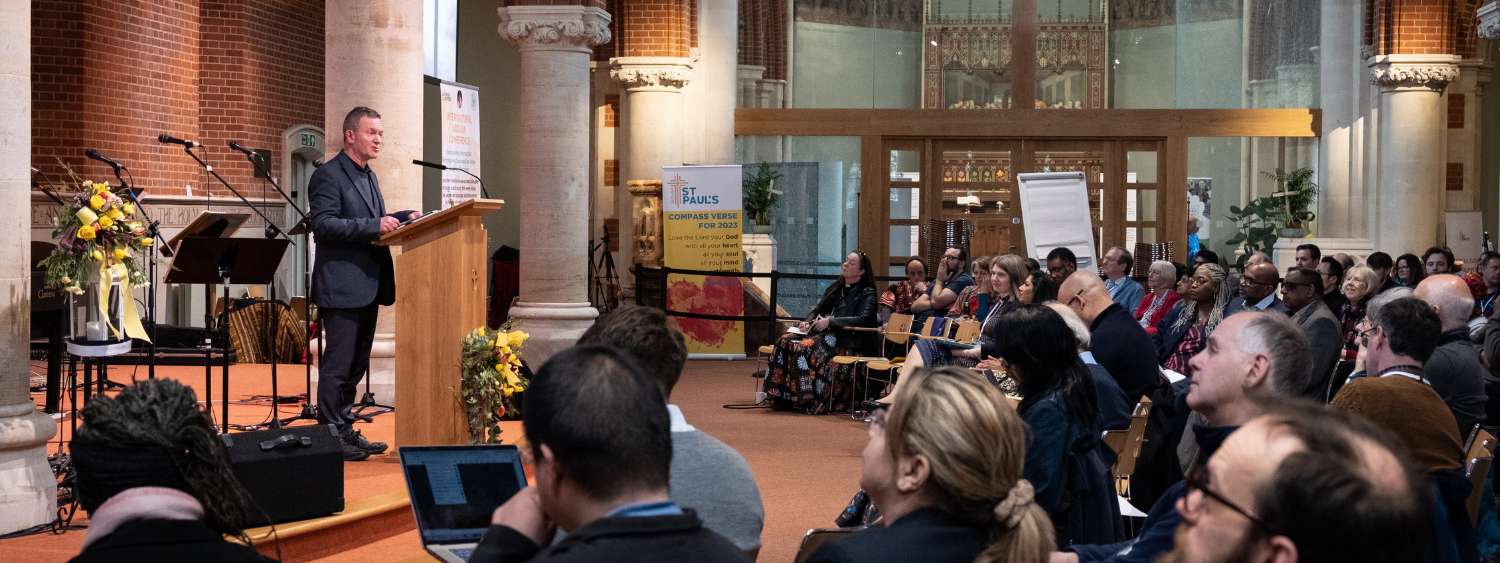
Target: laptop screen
{"x": 455, "y": 489}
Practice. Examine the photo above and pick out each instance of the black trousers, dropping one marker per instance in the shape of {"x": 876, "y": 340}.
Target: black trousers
{"x": 349, "y": 333}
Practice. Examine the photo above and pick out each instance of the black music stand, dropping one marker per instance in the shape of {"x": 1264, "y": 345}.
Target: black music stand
{"x": 223, "y": 261}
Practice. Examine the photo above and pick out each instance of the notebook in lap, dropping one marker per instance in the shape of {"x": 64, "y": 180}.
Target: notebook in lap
{"x": 455, "y": 490}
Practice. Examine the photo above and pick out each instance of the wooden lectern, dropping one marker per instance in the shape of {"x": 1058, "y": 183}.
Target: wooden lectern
{"x": 441, "y": 272}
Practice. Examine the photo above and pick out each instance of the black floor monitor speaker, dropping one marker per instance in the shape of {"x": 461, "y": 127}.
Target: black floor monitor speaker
{"x": 290, "y": 473}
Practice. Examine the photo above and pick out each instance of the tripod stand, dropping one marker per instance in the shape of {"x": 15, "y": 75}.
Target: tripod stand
{"x": 605, "y": 283}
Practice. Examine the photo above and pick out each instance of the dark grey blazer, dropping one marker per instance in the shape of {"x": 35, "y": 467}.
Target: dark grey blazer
{"x": 1325, "y": 341}
{"x": 350, "y": 271}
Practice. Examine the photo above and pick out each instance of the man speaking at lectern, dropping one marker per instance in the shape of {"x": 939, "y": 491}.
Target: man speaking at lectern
{"x": 352, "y": 276}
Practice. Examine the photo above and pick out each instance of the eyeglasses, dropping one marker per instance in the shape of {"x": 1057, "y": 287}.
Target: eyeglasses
{"x": 877, "y": 416}
{"x": 1076, "y": 297}
{"x": 1290, "y": 285}
{"x": 1248, "y": 281}
{"x": 1197, "y": 480}
{"x": 1364, "y": 335}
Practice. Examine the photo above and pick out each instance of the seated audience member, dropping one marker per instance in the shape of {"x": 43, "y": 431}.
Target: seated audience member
{"x": 801, "y": 373}
{"x": 1415, "y": 414}
{"x": 707, "y": 475}
{"x": 1454, "y": 370}
{"x": 1123, "y": 290}
{"x": 1303, "y": 483}
{"x": 944, "y": 465}
{"x": 1257, "y": 290}
{"x": 1302, "y": 292}
{"x": 1344, "y": 260}
{"x": 1061, "y": 263}
{"x": 1162, "y": 281}
{"x": 1359, "y": 285}
{"x": 1409, "y": 271}
{"x": 1184, "y": 331}
{"x": 1006, "y": 273}
{"x": 1039, "y": 289}
{"x": 1489, "y": 277}
{"x": 1207, "y": 257}
{"x": 1308, "y": 255}
{"x": 974, "y": 301}
{"x": 1438, "y": 260}
{"x": 156, "y": 481}
{"x": 1115, "y": 338}
{"x": 1332, "y": 272}
{"x": 1114, "y": 406}
{"x": 951, "y": 280}
{"x": 1064, "y": 460}
{"x": 899, "y": 296}
{"x": 601, "y": 441}
{"x": 1252, "y": 357}
{"x": 1381, "y": 263}
{"x": 1032, "y": 265}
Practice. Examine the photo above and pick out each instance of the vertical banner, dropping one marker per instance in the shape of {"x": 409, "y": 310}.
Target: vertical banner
{"x": 702, "y": 214}
{"x": 460, "y": 119}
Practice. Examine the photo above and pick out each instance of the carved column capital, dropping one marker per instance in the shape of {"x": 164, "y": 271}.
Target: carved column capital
{"x": 639, "y": 74}
{"x": 1487, "y": 19}
{"x": 1408, "y": 72}
{"x": 570, "y": 28}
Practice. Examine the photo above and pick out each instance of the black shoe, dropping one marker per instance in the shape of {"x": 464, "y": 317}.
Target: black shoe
{"x": 354, "y": 453}
{"x": 356, "y": 439}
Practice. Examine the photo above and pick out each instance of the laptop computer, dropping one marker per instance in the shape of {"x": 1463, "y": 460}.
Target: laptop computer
{"x": 455, "y": 490}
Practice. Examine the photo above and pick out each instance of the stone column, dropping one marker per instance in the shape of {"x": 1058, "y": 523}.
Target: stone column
{"x": 373, "y": 58}
{"x": 1487, "y": 19}
{"x": 1410, "y": 178}
{"x": 1336, "y": 54}
{"x": 654, "y": 130}
{"x": 28, "y": 491}
{"x": 718, "y": 40}
{"x": 555, "y": 44}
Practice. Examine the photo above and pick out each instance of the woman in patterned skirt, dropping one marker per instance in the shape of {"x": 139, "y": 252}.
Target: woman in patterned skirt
{"x": 801, "y": 373}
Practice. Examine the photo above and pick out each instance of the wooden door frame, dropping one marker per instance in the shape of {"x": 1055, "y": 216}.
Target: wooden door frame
{"x": 1171, "y": 127}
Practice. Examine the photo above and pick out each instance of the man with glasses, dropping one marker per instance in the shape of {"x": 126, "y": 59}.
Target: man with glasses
{"x": 1061, "y": 263}
{"x": 952, "y": 278}
{"x": 1302, "y": 291}
{"x": 1258, "y": 290}
{"x": 1249, "y": 357}
{"x": 1303, "y": 483}
{"x": 1125, "y": 291}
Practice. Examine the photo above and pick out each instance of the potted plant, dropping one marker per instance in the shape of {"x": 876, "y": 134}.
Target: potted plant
{"x": 1284, "y": 213}
{"x": 1298, "y": 193}
{"x": 761, "y": 196}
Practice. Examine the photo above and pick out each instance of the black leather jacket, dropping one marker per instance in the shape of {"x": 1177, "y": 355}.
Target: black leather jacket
{"x": 846, "y": 306}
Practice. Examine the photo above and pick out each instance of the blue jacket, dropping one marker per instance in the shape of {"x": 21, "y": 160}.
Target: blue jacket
{"x": 1129, "y": 293}
{"x": 350, "y": 271}
{"x": 1167, "y": 337}
{"x": 1156, "y": 537}
{"x": 1065, "y": 465}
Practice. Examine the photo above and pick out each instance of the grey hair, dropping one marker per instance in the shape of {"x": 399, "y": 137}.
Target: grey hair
{"x": 1215, "y": 316}
{"x": 1387, "y": 296}
{"x": 1365, "y": 274}
{"x": 1165, "y": 268}
{"x": 1453, "y": 308}
{"x": 1074, "y": 322}
{"x": 1286, "y": 348}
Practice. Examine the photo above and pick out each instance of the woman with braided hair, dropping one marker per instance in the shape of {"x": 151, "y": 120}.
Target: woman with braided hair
{"x": 944, "y": 465}
{"x": 156, "y": 480}
{"x": 1185, "y": 330}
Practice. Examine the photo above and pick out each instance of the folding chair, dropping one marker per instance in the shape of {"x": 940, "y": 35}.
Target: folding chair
{"x": 896, "y": 329}
{"x": 1127, "y": 445}
{"x": 1477, "y": 460}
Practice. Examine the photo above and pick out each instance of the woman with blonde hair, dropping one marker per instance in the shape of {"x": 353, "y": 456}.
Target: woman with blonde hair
{"x": 944, "y": 465}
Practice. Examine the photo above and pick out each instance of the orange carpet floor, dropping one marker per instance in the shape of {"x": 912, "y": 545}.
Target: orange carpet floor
{"x": 807, "y": 467}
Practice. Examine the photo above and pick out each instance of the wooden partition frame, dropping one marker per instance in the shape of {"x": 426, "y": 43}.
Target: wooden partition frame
{"x": 1173, "y": 126}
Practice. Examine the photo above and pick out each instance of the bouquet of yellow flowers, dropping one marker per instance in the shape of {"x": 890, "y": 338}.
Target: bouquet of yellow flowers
{"x": 491, "y": 378}
{"x": 98, "y": 241}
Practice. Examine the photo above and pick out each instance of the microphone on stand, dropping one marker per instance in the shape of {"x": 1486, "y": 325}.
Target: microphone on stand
{"x": 94, "y": 155}
{"x": 437, "y": 166}
{"x": 170, "y": 140}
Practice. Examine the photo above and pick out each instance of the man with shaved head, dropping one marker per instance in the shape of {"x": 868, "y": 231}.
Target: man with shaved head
{"x": 1116, "y": 339}
{"x": 1454, "y": 368}
{"x": 1258, "y": 290}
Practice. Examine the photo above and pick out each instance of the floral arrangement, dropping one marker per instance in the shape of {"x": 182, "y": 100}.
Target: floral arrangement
{"x": 97, "y": 233}
{"x": 490, "y": 368}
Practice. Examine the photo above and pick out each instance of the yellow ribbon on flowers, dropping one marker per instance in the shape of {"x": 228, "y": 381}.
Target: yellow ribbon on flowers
{"x": 108, "y": 275}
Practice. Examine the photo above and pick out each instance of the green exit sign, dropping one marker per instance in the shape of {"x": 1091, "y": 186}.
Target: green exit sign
{"x": 309, "y": 139}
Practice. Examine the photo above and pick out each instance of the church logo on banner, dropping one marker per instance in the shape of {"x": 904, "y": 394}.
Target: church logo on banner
{"x": 702, "y": 212}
